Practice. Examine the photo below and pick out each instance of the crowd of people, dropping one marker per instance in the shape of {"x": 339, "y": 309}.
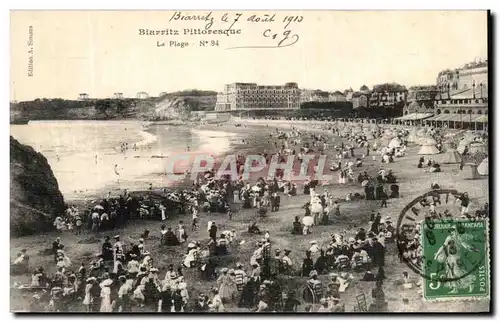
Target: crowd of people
{"x": 123, "y": 278}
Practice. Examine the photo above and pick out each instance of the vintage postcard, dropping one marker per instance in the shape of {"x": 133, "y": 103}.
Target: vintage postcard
{"x": 251, "y": 162}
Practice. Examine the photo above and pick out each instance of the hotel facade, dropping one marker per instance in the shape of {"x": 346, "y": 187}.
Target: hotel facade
{"x": 463, "y": 90}
{"x": 251, "y": 96}
{"x": 459, "y": 100}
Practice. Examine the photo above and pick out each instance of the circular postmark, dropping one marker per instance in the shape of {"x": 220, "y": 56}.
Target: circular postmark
{"x": 435, "y": 243}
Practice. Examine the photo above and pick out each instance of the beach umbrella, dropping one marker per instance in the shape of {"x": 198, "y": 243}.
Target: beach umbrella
{"x": 316, "y": 208}
{"x": 483, "y": 167}
{"x": 308, "y": 221}
{"x": 364, "y": 183}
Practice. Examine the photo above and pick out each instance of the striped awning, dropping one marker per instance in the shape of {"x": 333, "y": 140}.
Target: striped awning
{"x": 414, "y": 116}
{"x": 460, "y": 118}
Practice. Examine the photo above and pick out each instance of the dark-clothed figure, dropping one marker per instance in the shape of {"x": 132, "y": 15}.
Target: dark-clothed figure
{"x": 321, "y": 263}
{"x": 378, "y": 251}
{"x": 307, "y": 264}
{"x": 291, "y": 302}
{"x": 213, "y": 232}
{"x": 170, "y": 238}
{"x": 248, "y": 295}
{"x": 297, "y": 226}
{"x": 107, "y": 250}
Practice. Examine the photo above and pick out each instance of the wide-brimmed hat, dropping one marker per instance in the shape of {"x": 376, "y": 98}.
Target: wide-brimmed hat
{"x": 224, "y": 270}
{"x": 107, "y": 282}
{"x": 313, "y": 273}
{"x": 116, "y": 237}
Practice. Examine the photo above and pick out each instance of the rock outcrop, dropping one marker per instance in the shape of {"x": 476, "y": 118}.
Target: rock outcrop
{"x": 35, "y": 199}
{"x": 173, "y": 108}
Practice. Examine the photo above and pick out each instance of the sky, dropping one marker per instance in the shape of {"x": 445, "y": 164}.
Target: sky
{"x": 102, "y": 52}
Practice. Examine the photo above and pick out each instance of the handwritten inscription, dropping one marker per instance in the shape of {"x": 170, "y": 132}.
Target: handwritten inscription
{"x": 277, "y": 31}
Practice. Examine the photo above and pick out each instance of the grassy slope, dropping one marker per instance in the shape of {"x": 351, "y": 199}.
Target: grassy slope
{"x": 355, "y": 214}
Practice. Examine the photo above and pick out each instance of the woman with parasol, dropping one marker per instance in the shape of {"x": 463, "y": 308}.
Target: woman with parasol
{"x": 308, "y": 222}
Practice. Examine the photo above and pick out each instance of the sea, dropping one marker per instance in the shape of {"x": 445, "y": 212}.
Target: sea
{"x": 84, "y": 154}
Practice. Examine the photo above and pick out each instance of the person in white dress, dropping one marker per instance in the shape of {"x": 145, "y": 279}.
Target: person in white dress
{"x": 216, "y": 304}
{"x": 190, "y": 259}
{"x": 236, "y": 196}
{"x": 182, "y": 232}
{"x": 106, "y": 306}
{"x": 87, "y": 300}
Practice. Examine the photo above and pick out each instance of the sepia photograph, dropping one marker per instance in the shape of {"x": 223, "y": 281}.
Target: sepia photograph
{"x": 218, "y": 162}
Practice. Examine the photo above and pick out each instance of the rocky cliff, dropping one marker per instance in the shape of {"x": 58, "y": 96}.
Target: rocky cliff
{"x": 35, "y": 199}
{"x": 172, "y": 108}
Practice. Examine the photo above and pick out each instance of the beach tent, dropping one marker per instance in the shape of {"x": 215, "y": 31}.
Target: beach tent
{"x": 428, "y": 141}
{"x": 412, "y": 137}
{"x": 395, "y": 143}
{"x": 428, "y": 149}
{"x": 482, "y": 169}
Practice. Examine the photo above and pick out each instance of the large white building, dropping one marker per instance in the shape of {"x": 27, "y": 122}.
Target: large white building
{"x": 250, "y": 96}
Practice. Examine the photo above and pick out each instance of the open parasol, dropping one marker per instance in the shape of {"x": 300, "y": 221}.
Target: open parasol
{"x": 316, "y": 208}
{"x": 308, "y": 221}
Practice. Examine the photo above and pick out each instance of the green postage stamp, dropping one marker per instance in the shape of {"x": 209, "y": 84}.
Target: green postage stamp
{"x": 455, "y": 259}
